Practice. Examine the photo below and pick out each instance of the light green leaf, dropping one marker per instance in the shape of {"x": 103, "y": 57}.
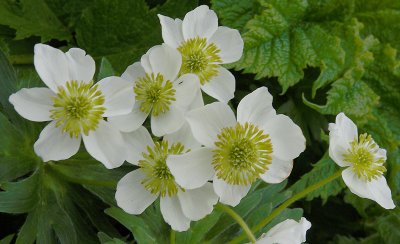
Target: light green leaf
{"x": 106, "y": 69}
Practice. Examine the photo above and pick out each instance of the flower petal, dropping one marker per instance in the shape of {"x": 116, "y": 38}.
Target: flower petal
{"x": 229, "y": 42}
{"x": 286, "y": 232}
{"x": 55, "y": 145}
{"x": 81, "y": 66}
{"x": 167, "y": 122}
{"x": 230, "y": 194}
{"x": 106, "y": 145}
{"x": 185, "y": 136}
{"x": 201, "y": 22}
{"x": 207, "y": 122}
{"x": 287, "y": 138}
{"x": 129, "y": 122}
{"x": 137, "y": 143}
{"x": 337, "y": 148}
{"x": 51, "y": 65}
{"x": 344, "y": 128}
{"x": 166, "y": 61}
{"x": 222, "y": 86}
{"x": 376, "y": 190}
{"x": 256, "y": 107}
{"x": 171, "y": 30}
{"x": 198, "y": 101}
{"x": 119, "y": 97}
{"x": 33, "y": 103}
{"x": 193, "y": 169}
{"x": 131, "y": 195}
{"x": 277, "y": 171}
{"x": 134, "y": 72}
{"x": 186, "y": 87}
{"x": 199, "y": 202}
{"x": 172, "y": 213}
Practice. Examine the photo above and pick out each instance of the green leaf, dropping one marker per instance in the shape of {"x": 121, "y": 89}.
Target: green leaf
{"x": 7, "y": 240}
{"x": 278, "y": 43}
{"x": 324, "y": 168}
{"x": 24, "y": 17}
{"x": 388, "y": 226}
{"x": 105, "y": 239}
{"x": 106, "y": 69}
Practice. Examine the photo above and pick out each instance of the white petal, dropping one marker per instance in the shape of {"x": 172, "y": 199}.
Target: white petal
{"x": 129, "y": 122}
{"x": 229, "y": 42}
{"x": 222, "y": 86}
{"x": 198, "y": 101}
{"x": 172, "y": 213}
{"x": 286, "y": 232}
{"x": 199, "y": 202}
{"x": 337, "y": 147}
{"x": 193, "y": 169}
{"x": 134, "y": 72}
{"x": 343, "y": 128}
{"x": 171, "y": 30}
{"x": 167, "y": 122}
{"x": 166, "y": 61}
{"x": 187, "y": 86}
{"x": 277, "y": 171}
{"x": 131, "y": 195}
{"x": 51, "y": 65}
{"x": 256, "y": 107}
{"x": 106, "y": 145}
{"x": 185, "y": 136}
{"x": 55, "y": 145}
{"x": 137, "y": 143}
{"x": 145, "y": 62}
{"x": 33, "y": 103}
{"x": 376, "y": 190}
{"x": 230, "y": 194}
{"x": 119, "y": 96}
{"x": 286, "y": 137}
{"x": 81, "y": 66}
{"x": 201, "y": 22}
{"x": 207, "y": 122}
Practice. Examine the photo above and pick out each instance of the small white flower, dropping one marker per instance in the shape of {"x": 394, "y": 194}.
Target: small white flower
{"x": 140, "y": 188}
{"x": 259, "y": 144}
{"x": 159, "y": 91}
{"x": 74, "y": 106}
{"x": 204, "y": 47}
{"x": 286, "y": 232}
{"x": 364, "y": 161}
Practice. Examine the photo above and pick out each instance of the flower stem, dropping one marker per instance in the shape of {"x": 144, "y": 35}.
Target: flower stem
{"x": 288, "y": 202}
{"x": 172, "y": 237}
{"x": 239, "y": 220}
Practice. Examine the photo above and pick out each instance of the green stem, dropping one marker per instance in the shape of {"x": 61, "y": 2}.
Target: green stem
{"x": 239, "y": 220}
{"x": 172, "y": 237}
{"x": 288, "y": 202}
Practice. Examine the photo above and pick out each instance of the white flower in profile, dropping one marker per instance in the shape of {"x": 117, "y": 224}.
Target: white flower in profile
{"x": 204, "y": 47}
{"x": 74, "y": 106}
{"x": 158, "y": 91}
{"x": 259, "y": 144}
{"x": 140, "y": 188}
{"x": 364, "y": 161}
{"x": 286, "y": 232}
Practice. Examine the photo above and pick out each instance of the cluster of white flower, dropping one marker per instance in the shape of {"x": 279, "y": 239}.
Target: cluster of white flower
{"x": 206, "y": 154}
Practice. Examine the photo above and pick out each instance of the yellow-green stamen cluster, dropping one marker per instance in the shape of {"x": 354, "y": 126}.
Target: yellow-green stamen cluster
{"x": 200, "y": 57}
{"x": 362, "y": 155}
{"x": 154, "y": 93}
{"x": 159, "y": 179}
{"x": 242, "y": 153}
{"x": 78, "y": 107}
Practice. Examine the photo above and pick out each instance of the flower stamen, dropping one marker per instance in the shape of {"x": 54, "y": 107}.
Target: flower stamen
{"x": 242, "y": 153}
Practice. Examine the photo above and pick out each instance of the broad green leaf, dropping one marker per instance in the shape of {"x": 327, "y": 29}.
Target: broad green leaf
{"x": 7, "y": 240}
{"x": 105, "y": 239}
{"x": 388, "y": 227}
{"x": 32, "y": 18}
{"x": 235, "y": 13}
{"x": 324, "y": 168}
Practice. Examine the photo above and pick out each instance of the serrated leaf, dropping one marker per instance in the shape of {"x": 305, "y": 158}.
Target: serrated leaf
{"x": 278, "y": 43}
{"x": 235, "y": 13}
{"x": 388, "y": 227}
{"x": 24, "y": 17}
{"x": 324, "y": 168}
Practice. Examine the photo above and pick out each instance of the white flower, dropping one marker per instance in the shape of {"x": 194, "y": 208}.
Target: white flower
{"x": 204, "y": 46}
{"x": 159, "y": 92}
{"x": 286, "y": 232}
{"x": 74, "y": 106}
{"x": 364, "y": 161}
{"x": 140, "y": 188}
{"x": 259, "y": 143}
